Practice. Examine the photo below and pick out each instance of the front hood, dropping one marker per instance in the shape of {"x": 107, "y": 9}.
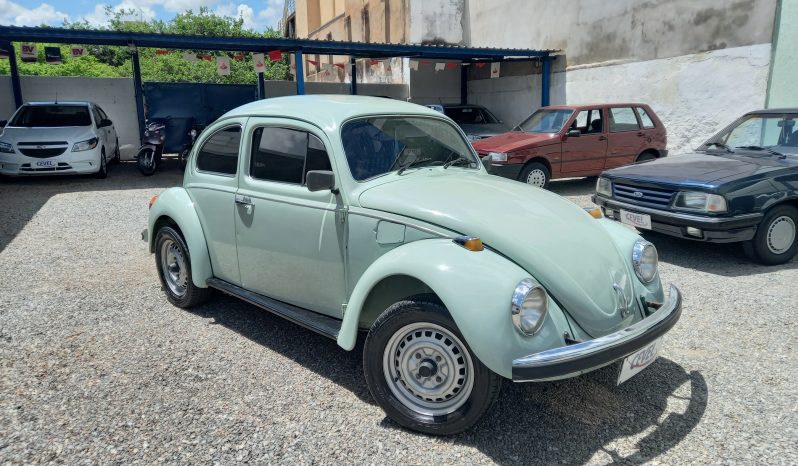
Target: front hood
{"x": 699, "y": 168}
{"x": 554, "y": 240}
{"x": 515, "y": 140}
{"x": 484, "y": 130}
{"x": 17, "y": 134}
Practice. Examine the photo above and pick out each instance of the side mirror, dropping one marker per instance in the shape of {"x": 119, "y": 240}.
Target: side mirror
{"x": 104, "y": 123}
{"x": 574, "y": 133}
{"x": 319, "y": 180}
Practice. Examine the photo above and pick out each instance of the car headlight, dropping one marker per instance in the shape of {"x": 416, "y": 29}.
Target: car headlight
{"x": 604, "y": 187}
{"x": 645, "y": 260}
{"x": 88, "y": 144}
{"x": 696, "y": 200}
{"x": 497, "y": 156}
{"x": 6, "y": 148}
{"x": 530, "y": 304}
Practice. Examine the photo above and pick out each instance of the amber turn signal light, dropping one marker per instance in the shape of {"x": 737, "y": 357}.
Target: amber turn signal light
{"x": 594, "y": 212}
{"x": 152, "y": 201}
{"x": 472, "y": 243}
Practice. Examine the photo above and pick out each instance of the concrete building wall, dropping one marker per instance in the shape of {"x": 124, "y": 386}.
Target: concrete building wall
{"x": 783, "y": 91}
{"x": 114, "y": 95}
{"x": 428, "y": 86}
{"x": 438, "y": 22}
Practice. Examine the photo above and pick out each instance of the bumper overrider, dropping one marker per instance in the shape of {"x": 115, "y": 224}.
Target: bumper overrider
{"x": 579, "y": 358}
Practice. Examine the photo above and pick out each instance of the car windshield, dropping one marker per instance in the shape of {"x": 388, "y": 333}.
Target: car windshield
{"x": 470, "y": 115}
{"x": 378, "y": 145}
{"x": 546, "y": 121}
{"x": 48, "y": 116}
{"x": 773, "y": 133}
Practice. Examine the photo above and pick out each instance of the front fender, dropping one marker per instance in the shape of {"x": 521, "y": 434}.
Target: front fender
{"x": 176, "y": 204}
{"x": 476, "y": 288}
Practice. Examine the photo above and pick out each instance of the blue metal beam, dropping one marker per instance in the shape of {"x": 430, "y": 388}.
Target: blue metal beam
{"x": 138, "y": 90}
{"x": 247, "y": 44}
{"x": 545, "y": 81}
{"x": 12, "y": 61}
{"x": 300, "y": 73}
{"x": 353, "y": 68}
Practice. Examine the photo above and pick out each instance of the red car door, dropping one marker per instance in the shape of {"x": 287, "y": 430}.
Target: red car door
{"x": 626, "y": 140}
{"x": 584, "y": 155}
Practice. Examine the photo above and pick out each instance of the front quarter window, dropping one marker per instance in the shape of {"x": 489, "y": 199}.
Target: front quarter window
{"x": 377, "y": 145}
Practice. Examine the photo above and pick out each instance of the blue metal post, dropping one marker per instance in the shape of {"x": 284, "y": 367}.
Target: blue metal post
{"x": 463, "y": 84}
{"x": 300, "y": 73}
{"x": 261, "y": 86}
{"x": 353, "y": 68}
{"x": 545, "y": 81}
{"x": 138, "y": 90}
{"x": 12, "y": 61}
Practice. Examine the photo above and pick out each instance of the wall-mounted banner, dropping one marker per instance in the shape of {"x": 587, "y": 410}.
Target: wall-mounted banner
{"x": 52, "y": 55}
{"x": 276, "y": 55}
{"x": 223, "y": 66}
{"x": 259, "y": 62}
{"x": 494, "y": 69}
{"x": 29, "y": 52}
{"x": 78, "y": 51}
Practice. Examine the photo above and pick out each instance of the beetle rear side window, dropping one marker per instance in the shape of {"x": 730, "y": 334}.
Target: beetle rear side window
{"x": 219, "y": 153}
{"x": 286, "y": 155}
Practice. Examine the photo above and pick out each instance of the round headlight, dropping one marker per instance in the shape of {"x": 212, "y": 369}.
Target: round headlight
{"x": 645, "y": 260}
{"x": 529, "y": 306}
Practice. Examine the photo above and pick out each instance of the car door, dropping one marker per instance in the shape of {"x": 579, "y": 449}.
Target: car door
{"x": 291, "y": 242}
{"x": 113, "y": 139}
{"x": 102, "y": 132}
{"x": 625, "y": 137}
{"x": 212, "y": 187}
{"x": 585, "y": 154}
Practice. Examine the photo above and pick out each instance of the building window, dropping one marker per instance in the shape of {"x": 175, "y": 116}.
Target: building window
{"x": 366, "y": 26}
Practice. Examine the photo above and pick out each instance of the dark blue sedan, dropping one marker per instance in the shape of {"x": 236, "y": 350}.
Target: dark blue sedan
{"x": 739, "y": 186}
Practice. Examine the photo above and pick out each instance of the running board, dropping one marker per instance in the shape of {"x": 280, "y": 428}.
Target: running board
{"x": 319, "y": 323}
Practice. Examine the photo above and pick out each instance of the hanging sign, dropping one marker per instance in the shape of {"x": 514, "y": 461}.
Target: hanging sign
{"x": 494, "y": 69}
{"x": 29, "y": 52}
{"x": 205, "y": 56}
{"x": 413, "y": 65}
{"x": 223, "y": 66}
{"x": 275, "y": 55}
{"x": 190, "y": 57}
{"x": 481, "y": 65}
{"x": 440, "y": 66}
{"x": 52, "y": 55}
{"x": 239, "y": 57}
{"x": 77, "y": 51}
{"x": 451, "y": 65}
{"x": 259, "y": 62}
{"x": 161, "y": 52}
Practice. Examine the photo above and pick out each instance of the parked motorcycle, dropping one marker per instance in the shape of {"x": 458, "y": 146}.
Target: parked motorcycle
{"x": 192, "y": 135}
{"x": 150, "y": 152}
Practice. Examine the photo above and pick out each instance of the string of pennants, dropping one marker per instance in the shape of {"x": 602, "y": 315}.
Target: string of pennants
{"x": 53, "y": 55}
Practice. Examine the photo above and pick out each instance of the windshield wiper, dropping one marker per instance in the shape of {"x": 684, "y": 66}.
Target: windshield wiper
{"x": 721, "y": 145}
{"x": 411, "y": 163}
{"x": 760, "y": 148}
{"x": 456, "y": 161}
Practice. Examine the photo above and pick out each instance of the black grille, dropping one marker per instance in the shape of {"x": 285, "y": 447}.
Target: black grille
{"x": 43, "y": 143}
{"x": 656, "y": 197}
{"x": 43, "y": 153}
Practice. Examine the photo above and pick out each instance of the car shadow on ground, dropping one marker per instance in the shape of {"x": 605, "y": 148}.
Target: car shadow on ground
{"x": 573, "y": 186}
{"x": 23, "y": 197}
{"x": 567, "y": 421}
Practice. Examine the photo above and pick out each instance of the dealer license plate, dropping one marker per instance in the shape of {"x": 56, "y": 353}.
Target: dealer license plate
{"x": 635, "y": 219}
{"x": 634, "y": 363}
{"x": 45, "y": 163}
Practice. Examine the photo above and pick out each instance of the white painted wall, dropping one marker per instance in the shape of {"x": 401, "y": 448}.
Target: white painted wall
{"x": 784, "y": 75}
{"x": 437, "y": 21}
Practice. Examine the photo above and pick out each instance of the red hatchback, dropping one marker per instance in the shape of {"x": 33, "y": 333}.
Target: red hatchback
{"x": 574, "y": 140}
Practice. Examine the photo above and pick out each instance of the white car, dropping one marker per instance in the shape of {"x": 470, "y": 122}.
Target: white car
{"x": 44, "y": 138}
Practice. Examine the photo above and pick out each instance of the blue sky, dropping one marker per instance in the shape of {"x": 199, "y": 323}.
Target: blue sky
{"x": 257, "y": 14}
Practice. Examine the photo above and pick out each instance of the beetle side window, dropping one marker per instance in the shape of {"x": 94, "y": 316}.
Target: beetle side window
{"x": 286, "y": 155}
{"x": 623, "y": 119}
{"x": 219, "y": 153}
{"x": 648, "y": 123}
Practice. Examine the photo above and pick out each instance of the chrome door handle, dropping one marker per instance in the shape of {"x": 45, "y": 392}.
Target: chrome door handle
{"x": 243, "y": 200}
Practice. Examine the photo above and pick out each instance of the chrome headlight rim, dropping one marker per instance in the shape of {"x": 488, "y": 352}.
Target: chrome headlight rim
{"x": 638, "y": 253}
{"x": 708, "y": 199}
{"x": 604, "y": 180}
{"x": 521, "y": 294}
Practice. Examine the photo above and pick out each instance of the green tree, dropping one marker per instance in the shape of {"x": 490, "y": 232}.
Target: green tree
{"x": 114, "y": 61}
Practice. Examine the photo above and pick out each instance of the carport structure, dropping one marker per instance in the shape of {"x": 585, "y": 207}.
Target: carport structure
{"x": 298, "y": 47}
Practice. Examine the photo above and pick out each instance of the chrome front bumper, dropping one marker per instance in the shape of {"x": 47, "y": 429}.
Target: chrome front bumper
{"x": 573, "y": 360}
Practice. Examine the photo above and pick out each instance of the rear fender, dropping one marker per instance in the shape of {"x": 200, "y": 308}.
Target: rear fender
{"x": 176, "y": 206}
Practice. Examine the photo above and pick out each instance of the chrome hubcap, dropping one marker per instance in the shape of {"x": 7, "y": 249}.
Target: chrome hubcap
{"x": 173, "y": 265}
{"x": 428, "y": 369}
{"x": 781, "y": 235}
{"x": 536, "y": 178}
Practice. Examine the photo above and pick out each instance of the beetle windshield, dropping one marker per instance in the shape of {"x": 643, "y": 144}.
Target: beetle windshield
{"x": 378, "y": 145}
{"x": 50, "y": 116}
{"x": 768, "y": 134}
{"x": 546, "y": 120}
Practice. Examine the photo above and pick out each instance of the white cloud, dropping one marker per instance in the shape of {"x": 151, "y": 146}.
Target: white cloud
{"x": 264, "y": 18}
{"x": 18, "y": 15}
{"x": 99, "y": 18}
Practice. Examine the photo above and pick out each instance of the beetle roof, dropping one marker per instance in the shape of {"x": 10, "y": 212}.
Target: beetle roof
{"x": 327, "y": 110}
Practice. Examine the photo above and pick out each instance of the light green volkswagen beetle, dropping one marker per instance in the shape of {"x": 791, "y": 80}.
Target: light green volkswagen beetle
{"x": 356, "y": 214}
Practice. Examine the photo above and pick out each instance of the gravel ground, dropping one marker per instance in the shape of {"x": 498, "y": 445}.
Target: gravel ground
{"x": 97, "y": 367}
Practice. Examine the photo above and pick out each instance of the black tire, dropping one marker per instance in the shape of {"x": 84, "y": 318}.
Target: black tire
{"x": 192, "y": 294}
{"x": 427, "y": 312}
{"x": 117, "y": 155}
{"x": 768, "y": 249}
{"x": 645, "y": 157}
{"x": 147, "y": 162}
{"x": 102, "y": 172}
{"x": 535, "y": 174}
